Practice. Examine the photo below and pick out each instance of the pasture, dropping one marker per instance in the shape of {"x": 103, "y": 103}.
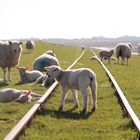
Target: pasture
{"x": 105, "y": 123}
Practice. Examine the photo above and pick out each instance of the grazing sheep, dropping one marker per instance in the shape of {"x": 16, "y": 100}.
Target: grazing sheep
{"x": 78, "y": 79}
{"x": 105, "y": 54}
{"x": 123, "y": 50}
{"x": 9, "y": 56}
{"x": 44, "y": 81}
{"x": 46, "y": 59}
{"x": 28, "y": 76}
{"x": 22, "y": 96}
{"x": 30, "y": 45}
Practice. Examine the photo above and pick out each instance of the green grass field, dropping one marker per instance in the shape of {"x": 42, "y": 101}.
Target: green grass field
{"x": 106, "y": 123}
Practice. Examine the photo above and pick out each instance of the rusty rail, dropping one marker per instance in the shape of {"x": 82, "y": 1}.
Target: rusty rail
{"x": 121, "y": 95}
{"x": 21, "y": 125}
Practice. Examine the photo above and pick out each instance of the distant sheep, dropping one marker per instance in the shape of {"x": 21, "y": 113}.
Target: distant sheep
{"x": 30, "y": 45}
{"x": 104, "y": 54}
{"x": 28, "y": 76}
{"x": 46, "y": 59}
{"x": 123, "y": 50}
{"x": 9, "y": 56}
{"x": 22, "y": 96}
{"x": 44, "y": 81}
{"x": 78, "y": 79}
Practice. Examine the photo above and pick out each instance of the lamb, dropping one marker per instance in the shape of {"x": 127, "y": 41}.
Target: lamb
{"x": 105, "y": 54}
{"x": 46, "y": 59}
{"x": 10, "y": 53}
{"x": 22, "y": 96}
{"x": 78, "y": 79}
{"x": 44, "y": 81}
{"x": 28, "y": 76}
{"x": 123, "y": 50}
{"x": 30, "y": 45}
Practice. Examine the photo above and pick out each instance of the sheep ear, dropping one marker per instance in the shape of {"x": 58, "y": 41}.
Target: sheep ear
{"x": 17, "y": 67}
{"x": 29, "y": 92}
{"x": 46, "y": 68}
{"x": 20, "y": 42}
{"x": 26, "y": 68}
{"x": 10, "y": 42}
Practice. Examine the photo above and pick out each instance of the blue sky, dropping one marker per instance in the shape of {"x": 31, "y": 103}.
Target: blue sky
{"x": 68, "y": 18}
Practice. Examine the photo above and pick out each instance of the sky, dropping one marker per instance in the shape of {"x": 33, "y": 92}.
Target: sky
{"x": 69, "y": 18}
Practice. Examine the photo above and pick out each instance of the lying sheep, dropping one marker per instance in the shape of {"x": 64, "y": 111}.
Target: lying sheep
{"x": 9, "y": 56}
{"x": 123, "y": 50}
{"x": 46, "y": 59}
{"x": 28, "y": 76}
{"x": 44, "y": 81}
{"x": 22, "y": 96}
{"x": 78, "y": 79}
{"x": 105, "y": 54}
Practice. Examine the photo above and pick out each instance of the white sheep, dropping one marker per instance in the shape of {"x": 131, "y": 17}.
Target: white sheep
{"x": 9, "y": 56}
{"x": 105, "y": 54}
{"x": 46, "y": 59}
{"x": 22, "y": 96}
{"x": 78, "y": 79}
{"x": 123, "y": 50}
{"x": 28, "y": 76}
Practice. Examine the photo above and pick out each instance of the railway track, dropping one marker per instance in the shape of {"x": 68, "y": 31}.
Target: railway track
{"x": 19, "y": 129}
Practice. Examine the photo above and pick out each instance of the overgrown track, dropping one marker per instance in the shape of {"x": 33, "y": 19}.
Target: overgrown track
{"x": 25, "y": 121}
{"x": 126, "y": 108}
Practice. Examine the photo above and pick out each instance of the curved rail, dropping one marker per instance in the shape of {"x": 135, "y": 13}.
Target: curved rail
{"x": 121, "y": 95}
{"x": 22, "y": 124}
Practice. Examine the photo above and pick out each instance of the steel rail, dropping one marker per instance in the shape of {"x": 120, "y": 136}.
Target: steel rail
{"x": 126, "y": 104}
{"x": 21, "y": 125}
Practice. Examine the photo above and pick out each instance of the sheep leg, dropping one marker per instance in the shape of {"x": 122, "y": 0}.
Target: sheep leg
{"x": 9, "y": 69}
{"x": 63, "y": 95}
{"x": 75, "y": 98}
{"x": 84, "y": 94}
{"x": 93, "y": 97}
{"x": 4, "y": 74}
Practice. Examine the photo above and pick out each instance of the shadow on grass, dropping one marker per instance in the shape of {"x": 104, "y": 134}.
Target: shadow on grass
{"x": 66, "y": 114}
{"x": 3, "y": 84}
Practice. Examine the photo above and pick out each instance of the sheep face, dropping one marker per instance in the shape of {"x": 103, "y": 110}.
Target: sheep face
{"x": 52, "y": 71}
{"x": 22, "y": 69}
{"x": 15, "y": 47}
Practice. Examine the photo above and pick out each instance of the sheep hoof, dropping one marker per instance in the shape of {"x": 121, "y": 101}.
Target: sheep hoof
{"x": 76, "y": 106}
{"x": 83, "y": 112}
{"x": 93, "y": 109}
{"x": 60, "y": 109}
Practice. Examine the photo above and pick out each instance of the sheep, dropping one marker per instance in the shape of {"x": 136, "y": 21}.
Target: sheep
{"x": 78, "y": 79}
{"x": 22, "y": 96}
{"x": 28, "y": 76}
{"x": 30, "y": 45}
{"x": 123, "y": 50}
{"x": 105, "y": 54}
{"x": 44, "y": 81}
{"x": 10, "y": 53}
{"x": 46, "y": 59}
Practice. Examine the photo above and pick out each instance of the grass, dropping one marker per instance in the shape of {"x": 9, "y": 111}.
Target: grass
{"x": 106, "y": 123}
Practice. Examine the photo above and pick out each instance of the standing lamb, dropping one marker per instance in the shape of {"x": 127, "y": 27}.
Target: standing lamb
{"x": 78, "y": 79}
{"x": 46, "y": 59}
{"x": 22, "y": 96}
{"x": 28, "y": 76}
{"x": 105, "y": 54}
{"x": 9, "y": 56}
{"x": 123, "y": 50}
{"x": 30, "y": 45}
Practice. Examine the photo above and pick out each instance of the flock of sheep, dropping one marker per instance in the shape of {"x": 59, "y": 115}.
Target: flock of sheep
{"x": 78, "y": 79}
{"x": 123, "y": 50}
